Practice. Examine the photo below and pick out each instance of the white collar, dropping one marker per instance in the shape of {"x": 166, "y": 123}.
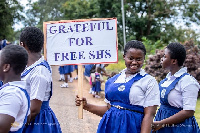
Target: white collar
{"x": 177, "y": 74}
{"x": 141, "y": 72}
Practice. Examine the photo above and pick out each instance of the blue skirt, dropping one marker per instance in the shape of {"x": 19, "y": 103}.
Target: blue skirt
{"x": 45, "y": 121}
{"x": 66, "y": 69}
{"x": 97, "y": 86}
{"x": 75, "y": 66}
{"x": 120, "y": 121}
{"x": 188, "y": 126}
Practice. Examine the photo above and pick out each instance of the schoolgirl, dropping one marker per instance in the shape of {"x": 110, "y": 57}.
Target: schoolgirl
{"x": 178, "y": 94}
{"x": 97, "y": 79}
{"x": 38, "y": 77}
{"x": 132, "y": 96}
{"x": 14, "y": 99}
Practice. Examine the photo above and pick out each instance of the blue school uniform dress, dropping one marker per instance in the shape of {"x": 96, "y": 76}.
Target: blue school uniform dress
{"x": 96, "y": 86}
{"x": 166, "y": 110}
{"x": 17, "y": 103}
{"x": 66, "y": 69}
{"x": 75, "y": 66}
{"x": 45, "y": 121}
{"x": 122, "y": 117}
{"x": 87, "y": 70}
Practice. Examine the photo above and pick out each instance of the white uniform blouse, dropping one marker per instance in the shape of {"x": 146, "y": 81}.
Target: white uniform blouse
{"x": 38, "y": 81}
{"x": 185, "y": 93}
{"x": 144, "y": 92}
{"x": 14, "y": 103}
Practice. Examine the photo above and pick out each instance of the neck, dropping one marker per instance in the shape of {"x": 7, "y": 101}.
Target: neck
{"x": 33, "y": 57}
{"x": 12, "y": 78}
{"x": 175, "y": 69}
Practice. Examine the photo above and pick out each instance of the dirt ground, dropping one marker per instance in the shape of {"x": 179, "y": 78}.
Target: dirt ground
{"x": 63, "y": 105}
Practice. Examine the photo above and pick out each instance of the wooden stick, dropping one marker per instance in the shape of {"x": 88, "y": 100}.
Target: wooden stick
{"x": 80, "y": 90}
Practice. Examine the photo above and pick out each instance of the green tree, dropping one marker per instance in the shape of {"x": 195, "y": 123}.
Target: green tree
{"x": 153, "y": 19}
{"x": 10, "y": 12}
{"x": 42, "y": 11}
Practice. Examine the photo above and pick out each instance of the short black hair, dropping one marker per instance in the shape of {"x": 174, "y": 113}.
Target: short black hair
{"x": 135, "y": 44}
{"x": 33, "y": 39}
{"x": 16, "y": 56}
{"x": 177, "y": 51}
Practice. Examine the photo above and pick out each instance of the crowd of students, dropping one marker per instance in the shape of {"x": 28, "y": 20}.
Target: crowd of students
{"x": 132, "y": 95}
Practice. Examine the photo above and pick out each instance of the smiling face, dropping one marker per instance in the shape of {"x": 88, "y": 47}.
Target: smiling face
{"x": 134, "y": 59}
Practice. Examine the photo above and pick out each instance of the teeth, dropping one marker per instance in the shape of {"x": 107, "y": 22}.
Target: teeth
{"x": 133, "y": 66}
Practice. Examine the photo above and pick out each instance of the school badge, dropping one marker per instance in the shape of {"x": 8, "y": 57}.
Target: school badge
{"x": 163, "y": 93}
{"x": 121, "y": 88}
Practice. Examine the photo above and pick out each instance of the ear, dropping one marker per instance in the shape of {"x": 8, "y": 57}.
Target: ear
{"x": 124, "y": 57}
{"x": 174, "y": 61}
{"x": 22, "y": 44}
{"x": 6, "y": 68}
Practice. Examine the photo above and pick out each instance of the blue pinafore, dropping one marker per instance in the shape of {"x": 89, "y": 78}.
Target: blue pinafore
{"x": 28, "y": 98}
{"x": 45, "y": 121}
{"x": 166, "y": 110}
{"x": 96, "y": 86}
{"x": 122, "y": 117}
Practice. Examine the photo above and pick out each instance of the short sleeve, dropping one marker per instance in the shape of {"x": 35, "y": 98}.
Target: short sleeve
{"x": 190, "y": 94}
{"x": 39, "y": 84}
{"x": 10, "y": 104}
{"x": 152, "y": 94}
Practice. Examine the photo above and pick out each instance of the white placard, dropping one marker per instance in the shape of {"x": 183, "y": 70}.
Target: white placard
{"x": 81, "y": 42}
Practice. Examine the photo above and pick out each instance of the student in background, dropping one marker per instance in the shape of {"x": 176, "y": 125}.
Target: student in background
{"x": 14, "y": 99}
{"x": 103, "y": 69}
{"x": 38, "y": 77}
{"x": 97, "y": 79}
{"x": 178, "y": 95}
{"x": 67, "y": 71}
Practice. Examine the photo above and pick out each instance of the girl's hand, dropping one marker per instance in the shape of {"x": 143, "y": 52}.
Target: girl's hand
{"x": 79, "y": 101}
{"x": 156, "y": 126}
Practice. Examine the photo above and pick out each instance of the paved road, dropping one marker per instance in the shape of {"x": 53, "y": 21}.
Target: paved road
{"x": 63, "y": 105}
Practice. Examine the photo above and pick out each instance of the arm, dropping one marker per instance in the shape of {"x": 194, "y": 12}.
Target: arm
{"x": 104, "y": 73}
{"x": 174, "y": 119}
{"x": 6, "y": 122}
{"x": 98, "y": 110}
{"x": 35, "y": 108}
{"x": 189, "y": 96}
{"x": 149, "y": 113}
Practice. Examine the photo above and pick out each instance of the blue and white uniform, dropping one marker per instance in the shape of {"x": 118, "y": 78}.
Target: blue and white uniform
{"x": 38, "y": 79}
{"x": 15, "y": 102}
{"x": 96, "y": 81}
{"x": 178, "y": 92}
{"x": 128, "y": 97}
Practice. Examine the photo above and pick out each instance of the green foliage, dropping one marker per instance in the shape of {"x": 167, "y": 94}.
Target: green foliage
{"x": 154, "y": 20}
{"x": 9, "y": 13}
{"x": 79, "y": 9}
{"x": 117, "y": 67}
{"x": 197, "y": 111}
{"x": 151, "y": 46}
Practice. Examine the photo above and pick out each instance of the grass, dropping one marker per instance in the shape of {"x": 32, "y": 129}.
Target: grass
{"x": 197, "y": 111}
